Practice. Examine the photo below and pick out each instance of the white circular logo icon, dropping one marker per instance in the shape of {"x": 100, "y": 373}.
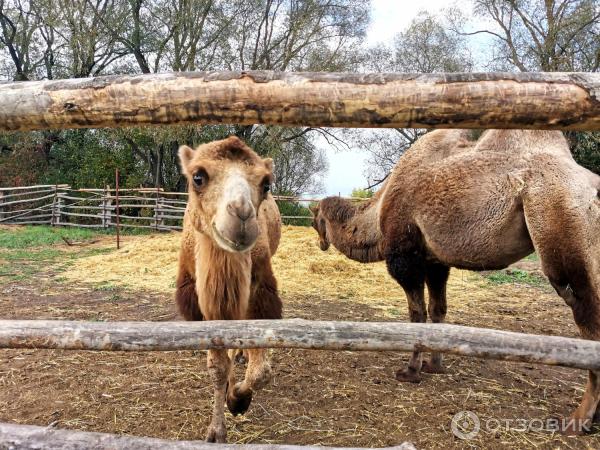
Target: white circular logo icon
{"x": 465, "y": 425}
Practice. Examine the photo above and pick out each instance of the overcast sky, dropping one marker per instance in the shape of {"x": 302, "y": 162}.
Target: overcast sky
{"x": 346, "y": 168}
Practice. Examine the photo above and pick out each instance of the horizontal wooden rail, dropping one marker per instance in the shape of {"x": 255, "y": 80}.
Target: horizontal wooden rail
{"x": 564, "y": 101}
{"x": 13, "y": 436}
{"x": 303, "y": 334}
{"x": 37, "y": 186}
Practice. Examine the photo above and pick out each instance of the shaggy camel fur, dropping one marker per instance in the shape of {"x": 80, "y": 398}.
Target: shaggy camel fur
{"x": 451, "y": 202}
{"x": 231, "y": 230}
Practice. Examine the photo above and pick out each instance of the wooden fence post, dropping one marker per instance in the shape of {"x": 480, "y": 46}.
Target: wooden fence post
{"x": 106, "y": 207}
{"x": 57, "y": 202}
{"x": 117, "y": 208}
{"x": 1, "y": 207}
{"x": 157, "y": 205}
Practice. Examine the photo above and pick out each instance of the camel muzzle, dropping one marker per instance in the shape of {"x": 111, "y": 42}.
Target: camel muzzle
{"x": 236, "y": 235}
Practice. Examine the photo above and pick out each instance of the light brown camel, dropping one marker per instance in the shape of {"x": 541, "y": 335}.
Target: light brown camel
{"x": 480, "y": 205}
{"x": 231, "y": 229}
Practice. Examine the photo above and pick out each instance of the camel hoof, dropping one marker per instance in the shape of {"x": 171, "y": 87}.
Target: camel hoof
{"x": 238, "y": 403}
{"x": 428, "y": 367}
{"x": 408, "y": 375}
{"x": 216, "y": 434}
{"x": 575, "y": 427}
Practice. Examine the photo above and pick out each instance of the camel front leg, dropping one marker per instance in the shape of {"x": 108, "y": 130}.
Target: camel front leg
{"x": 416, "y": 308}
{"x": 219, "y": 368}
{"x": 582, "y": 418}
{"x": 264, "y": 304}
{"x": 258, "y": 374}
{"x": 407, "y": 267}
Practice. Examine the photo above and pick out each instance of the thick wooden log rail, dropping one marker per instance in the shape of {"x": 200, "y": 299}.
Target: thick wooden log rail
{"x": 565, "y": 101}
{"x": 14, "y": 436}
{"x": 300, "y": 334}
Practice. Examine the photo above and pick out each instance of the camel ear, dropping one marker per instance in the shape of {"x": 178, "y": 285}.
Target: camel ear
{"x": 314, "y": 209}
{"x": 185, "y": 157}
{"x": 268, "y": 164}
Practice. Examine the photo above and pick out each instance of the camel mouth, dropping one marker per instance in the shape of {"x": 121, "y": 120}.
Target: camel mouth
{"x": 324, "y": 245}
{"x": 228, "y": 244}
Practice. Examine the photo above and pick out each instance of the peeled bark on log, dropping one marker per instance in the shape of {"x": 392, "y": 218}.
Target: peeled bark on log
{"x": 31, "y": 437}
{"x": 565, "y": 101}
{"x": 302, "y": 334}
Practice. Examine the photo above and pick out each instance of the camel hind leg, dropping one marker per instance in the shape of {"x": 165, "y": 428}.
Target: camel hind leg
{"x": 436, "y": 278}
{"x": 264, "y": 304}
{"x": 565, "y": 240}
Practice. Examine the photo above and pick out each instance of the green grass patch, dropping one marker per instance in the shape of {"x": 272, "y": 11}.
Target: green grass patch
{"x": 42, "y": 235}
{"x": 108, "y": 287}
{"x": 516, "y": 276}
{"x": 533, "y": 257}
{"x": 38, "y": 236}
{"x": 26, "y": 252}
{"x": 395, "y": 312}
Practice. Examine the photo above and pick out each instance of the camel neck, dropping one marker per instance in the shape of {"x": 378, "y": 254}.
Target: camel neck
{"x": 222, "y": 280}
{"x": 353, "y": 227}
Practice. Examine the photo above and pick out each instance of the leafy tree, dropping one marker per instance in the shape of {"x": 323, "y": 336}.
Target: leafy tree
{"x": 47, "y": 39}
{"x": 362, "y": 193}
{"x": 85, "y": 158}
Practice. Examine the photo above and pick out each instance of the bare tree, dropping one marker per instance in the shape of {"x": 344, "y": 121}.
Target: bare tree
{"x": 426, "y": 46}
{"x": 547, "y": 35}
{"x": 20, "y": 25}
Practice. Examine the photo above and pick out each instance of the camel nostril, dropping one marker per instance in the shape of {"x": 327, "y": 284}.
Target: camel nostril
{"x": 241, "y": 210}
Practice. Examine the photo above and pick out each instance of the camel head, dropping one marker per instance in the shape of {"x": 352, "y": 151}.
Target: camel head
{"x": 319, "y": 223}
{"x": 227, "y": 181}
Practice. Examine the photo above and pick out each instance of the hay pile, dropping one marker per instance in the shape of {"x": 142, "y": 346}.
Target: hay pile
{"x": 302, "y": 269}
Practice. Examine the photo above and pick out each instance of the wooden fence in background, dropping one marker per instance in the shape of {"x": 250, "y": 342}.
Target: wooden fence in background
{"x": 149, "y": 208}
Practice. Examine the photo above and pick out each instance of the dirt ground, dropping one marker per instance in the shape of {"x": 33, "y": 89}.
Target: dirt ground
{"x": 316, "y": 397}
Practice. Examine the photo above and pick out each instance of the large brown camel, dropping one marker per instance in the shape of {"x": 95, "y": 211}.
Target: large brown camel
{"x": 231, "y": 229}
{"x": 451, "y": 202}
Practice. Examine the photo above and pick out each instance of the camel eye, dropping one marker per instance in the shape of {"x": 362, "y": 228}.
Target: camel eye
{"x": 200, "y": 178}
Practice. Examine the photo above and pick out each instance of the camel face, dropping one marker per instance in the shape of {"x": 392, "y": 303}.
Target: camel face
{"x": 320, "y": 225}
{"x": 227, "y": 182}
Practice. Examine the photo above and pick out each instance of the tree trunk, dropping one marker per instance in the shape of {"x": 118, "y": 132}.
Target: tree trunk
{"x": 304, "y": 334}
{"x": 565, "y": 101}
{"x": 15, "y": 436}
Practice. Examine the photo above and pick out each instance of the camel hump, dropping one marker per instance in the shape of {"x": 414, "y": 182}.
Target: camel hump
{"x": 524, "y": 142}
{"x": 269, "y": 220}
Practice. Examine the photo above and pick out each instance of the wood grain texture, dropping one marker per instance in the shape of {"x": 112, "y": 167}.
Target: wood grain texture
{"x": 302, "y": 334}
{"x": 16, "y": 437}
{"x": 565, "y": 101}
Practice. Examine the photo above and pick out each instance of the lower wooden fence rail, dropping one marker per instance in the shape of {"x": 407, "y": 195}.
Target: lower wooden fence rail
{"x": 14, "y": 436}
{"x": 301, "y": 334}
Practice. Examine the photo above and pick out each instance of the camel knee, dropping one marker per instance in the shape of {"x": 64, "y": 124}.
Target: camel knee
{"x": 437, "y": 311}
{"x": 261, "y": 377}
{"x": 417, "y": 313}
{"x": 258, "y": 373}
